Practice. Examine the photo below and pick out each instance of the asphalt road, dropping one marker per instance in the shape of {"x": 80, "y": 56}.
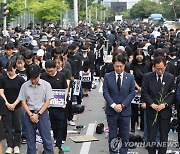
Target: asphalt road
{"x": 93, "y": 114}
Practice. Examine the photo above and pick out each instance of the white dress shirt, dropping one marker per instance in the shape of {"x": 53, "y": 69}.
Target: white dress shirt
{"x": 114, "y": 104}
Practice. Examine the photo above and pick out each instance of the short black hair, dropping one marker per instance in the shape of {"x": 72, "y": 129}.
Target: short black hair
{"x": 158, "y": 60}
{"x": 58, "y": 50}
{"x": 10, "y": 65}
{"x": 72, "y": 47}
{"x": 59, "y": 57}
{"x": 20, "y": 57}
{"x": 119, "y": 58}
{"x": 84, "y": 48}
{"x": 33, "y": 71}
{"x": 159, "y": 52}
{"x": 9, "y": 45}
{"x": 28, "y": 54}
{"x": 50, "y": 64}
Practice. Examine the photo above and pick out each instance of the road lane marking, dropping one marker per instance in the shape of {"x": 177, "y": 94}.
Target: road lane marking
{"x": 100, "y": 88}
{"x": 86, "y": 145}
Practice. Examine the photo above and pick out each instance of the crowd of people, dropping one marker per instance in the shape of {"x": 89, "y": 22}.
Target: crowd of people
{"x": 37, "y": 61}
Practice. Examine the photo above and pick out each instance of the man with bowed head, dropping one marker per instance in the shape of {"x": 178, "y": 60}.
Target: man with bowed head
{"x": 118, "y": 91}
{"x": 35, "y": 95}
{"x": 156, "y": 85}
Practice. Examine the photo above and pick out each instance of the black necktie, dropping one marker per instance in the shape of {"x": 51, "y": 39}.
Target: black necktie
{"x": 119, "y": 82}
{"x": 159, "y": 83}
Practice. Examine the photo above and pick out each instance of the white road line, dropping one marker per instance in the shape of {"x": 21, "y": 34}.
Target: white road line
{"x": 86, "y": 145}
{"x": 100, "y": 88}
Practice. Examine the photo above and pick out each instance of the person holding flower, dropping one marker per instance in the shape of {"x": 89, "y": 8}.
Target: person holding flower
{"x": 177, "y": 101}
{"x": 158, "y": 93}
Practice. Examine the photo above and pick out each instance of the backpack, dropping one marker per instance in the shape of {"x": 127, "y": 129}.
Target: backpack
{"x": 100, "y": 128}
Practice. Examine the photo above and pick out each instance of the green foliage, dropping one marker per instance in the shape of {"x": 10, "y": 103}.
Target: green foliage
{"x": 48, "y": 10}
{"x": 171, "y": 9}
{"x": 126, "y": 15}
{"x": 15, "y": 8}
{"x": 144, "y": 8}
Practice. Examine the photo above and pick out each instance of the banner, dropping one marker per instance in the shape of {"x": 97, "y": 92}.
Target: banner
{"x": 77, "y": 87}
{"x": 59, "y": 99}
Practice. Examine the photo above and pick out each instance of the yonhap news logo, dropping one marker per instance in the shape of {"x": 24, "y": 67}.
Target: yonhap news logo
{"x": 117, "y": 143}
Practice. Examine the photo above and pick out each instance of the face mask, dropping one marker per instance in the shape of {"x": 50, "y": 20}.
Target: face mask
{"x": 139, "y": 59}
{"x": 71, "y": 53}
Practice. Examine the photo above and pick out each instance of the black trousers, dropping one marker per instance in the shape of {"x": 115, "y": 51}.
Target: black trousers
{"x": 67, "y": 116}
{"x": 56, "y": 115}
{"x": 12, "y": 124}
{"x": 135, "y": 115}
{"x": 178, "y": 120}
{"x": 164, "y": 126}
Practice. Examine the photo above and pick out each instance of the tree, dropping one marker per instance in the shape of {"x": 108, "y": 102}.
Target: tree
{"x": 171, "y": 9}
{"x": 15, "y": 8}
{"x": 144, "y": 8}
{"x": 48, "y": 10}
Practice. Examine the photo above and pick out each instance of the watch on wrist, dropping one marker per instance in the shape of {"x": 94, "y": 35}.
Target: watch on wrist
{"x": 166, "y": 105}
{"x": 39, "y": 113}
{"x": 122, "y": 106}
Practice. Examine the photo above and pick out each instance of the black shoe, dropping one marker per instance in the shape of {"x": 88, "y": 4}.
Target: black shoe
{"x": 142, "y": 129}
{"x": 86, "y": 95}
{"x": 61, "y": 151}
{"x": 133, "y": 130}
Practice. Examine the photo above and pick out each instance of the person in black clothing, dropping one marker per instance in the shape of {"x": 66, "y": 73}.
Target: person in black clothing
{"x": 160, "y": 52}
{"x": 57, "y": 81}
{"x": 59, "y": 62}
{"x": 28, "y": 55}
{"x": 68, "y": 110}
{"x": 3, "y": 112}
{"x": 86, "y": 71}
{"x": 68, "y": 63}
{"x": 99, "y": 54}
{"x": 137, "y": 69}
{"x": 20, "y": 65}
{"x": 22, "y": 71}
{"x": 77, "y": 66}
{"x": 9, "y": 89}
{"x": 76, "y": 60}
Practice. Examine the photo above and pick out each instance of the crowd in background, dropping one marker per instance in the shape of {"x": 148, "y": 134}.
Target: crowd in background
{"x": 74, "y": 53}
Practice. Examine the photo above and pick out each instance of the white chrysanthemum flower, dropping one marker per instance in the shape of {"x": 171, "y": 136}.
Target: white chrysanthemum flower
{"x": 173, "y": 91}
{"x": 163, "y": 83}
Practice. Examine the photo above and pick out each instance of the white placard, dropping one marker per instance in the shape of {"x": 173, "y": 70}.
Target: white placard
{"x": 77, "y": 87}
{"x": 136, "y": 99}
{"x": 85, "y": 77}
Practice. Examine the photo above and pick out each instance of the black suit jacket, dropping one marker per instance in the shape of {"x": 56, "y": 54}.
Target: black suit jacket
{"x": 151, "y": 95}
